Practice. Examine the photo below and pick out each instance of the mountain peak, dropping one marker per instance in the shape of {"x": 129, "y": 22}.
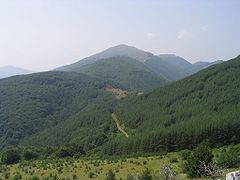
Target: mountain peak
{"x": 122, "y": 46}
{"x": 121, "y": 50}
{"x": 124, "y": 50}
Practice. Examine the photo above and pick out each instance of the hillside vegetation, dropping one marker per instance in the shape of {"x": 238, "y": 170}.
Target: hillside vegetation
{"x": 177, "y": 165}
{"x": 167, "y": 66}
{"x": 125, "y": 72}
{"x": 54, "y": 108}
{"x": 61, "y": 108}
{"x": 184, "y": 113}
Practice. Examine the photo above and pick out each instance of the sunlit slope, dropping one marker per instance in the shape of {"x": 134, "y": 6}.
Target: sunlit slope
{"x": 182, "y": 114}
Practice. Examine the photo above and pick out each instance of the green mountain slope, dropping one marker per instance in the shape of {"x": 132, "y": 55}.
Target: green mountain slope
{"x": 125, "y": 72}
{"x": 181, "y": 66}
{"x": 203, "y": 65}
{"x": 116, "y": 51}
{"x": 184, "y": 113}
{"x": 166, "y": 66}
{"x": 56, "y": 108}
{"x": 52, "y": 108}
{"x": 175, "y": 61}
{"x": 163, "y": 68}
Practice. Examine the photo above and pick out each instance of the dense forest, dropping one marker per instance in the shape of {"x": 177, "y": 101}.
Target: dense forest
{"x": 129, "y": 60}
{"x": 53, "y": 108}
{"x": 60, "y": 108}
{"x": 183, "y": 114}
{"x": 125, "y": 72}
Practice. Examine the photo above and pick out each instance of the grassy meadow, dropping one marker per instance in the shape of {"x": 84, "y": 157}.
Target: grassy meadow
{"x": 84, "y": 169}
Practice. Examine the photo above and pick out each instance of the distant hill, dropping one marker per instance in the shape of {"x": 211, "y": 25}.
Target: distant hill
{"x": 8, "y": 71}
{"x": 116, "y": 51}
{"x": 166, "y": 66}
{"x": 203, "y": 65}
{"x": 176, "y": 61}
{"x": 183, "y": 67}
{"x": 125, "y": 72}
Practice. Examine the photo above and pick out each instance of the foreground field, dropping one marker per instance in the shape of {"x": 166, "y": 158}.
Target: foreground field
{"x": 93, "y": 169}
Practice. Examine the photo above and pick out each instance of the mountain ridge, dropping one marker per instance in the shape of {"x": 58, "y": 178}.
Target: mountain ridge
{"x": 185, "y": 113}
{"x": 8, "y": 71}
{"x": 58, "y": 108}
{"x": 167, "y": 66}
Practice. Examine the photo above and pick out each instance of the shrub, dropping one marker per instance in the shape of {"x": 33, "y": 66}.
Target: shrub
{"x": 110, "y": 175}
{"x": 7, "y": 175}
{"x": 74, "y": 176}
{"x": 17, "y": 177}
{"x": 63, "y": 152}
{"x": 132, "y": 177}
{"x": 201, "y": 154}
{"x": 29, "y": 155}
{"x": 173, "y": 160}
{"x": 34, "y": 178}
{"x": 230, "y": 158}
{"x": 146, "y": 175}
{"x": 185, "y": 154}
{"x": 11, "y": 156}
{"x": 91, "y": 174}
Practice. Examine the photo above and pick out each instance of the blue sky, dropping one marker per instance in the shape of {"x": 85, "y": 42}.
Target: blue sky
{"x": 44, "y": 34}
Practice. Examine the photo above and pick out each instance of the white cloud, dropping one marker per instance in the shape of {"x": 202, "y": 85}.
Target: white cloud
{"x": 151, "y": 35}
{"x": 182, "y": 34}
{"x": 204, "y": 29}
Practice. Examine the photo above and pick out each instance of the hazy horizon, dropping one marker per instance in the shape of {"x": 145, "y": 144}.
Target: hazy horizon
{"x": 42, "y": 35}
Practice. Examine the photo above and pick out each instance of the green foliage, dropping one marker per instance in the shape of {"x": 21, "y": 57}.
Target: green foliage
{"x": 230, "y": 157}
{"x": 185, "y": 154}
{"x": 110, "y": 175}
{"x": 69, "y": 151}
{"x": 91, "y": 174}
{"x": 130, "y": 177}
{"x": 62, "y": 108}
{"x": 34, "y": 178}
{"x": 183, "y": 114}
{"x": 10, "y": 156}
{"x": 63, "y": 152}
{"x": 125, "y": 72}
{"x": 74, "y": 176}
{"x": 201, "y": 154}
{"x": 146, "y": 175}
{"x": 17, "y": 177}
{"x": 54, "y": 108}
{"x": 30, "y": 154}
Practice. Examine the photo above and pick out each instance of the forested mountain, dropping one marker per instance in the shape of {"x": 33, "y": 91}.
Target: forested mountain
{"x": 184, "y": 113}
{"x": 183, "y": 67}
{"x": 203, "y": 65}
{"x": 175, "y": 61}
{"x": 53, "y": 108}
{"x": 57, "y": 108}
{"x": 125, "y": 72}
{"x": 116, "y": 51}
{"x": 167, "y": 66}
{"x": 8, "y": 71}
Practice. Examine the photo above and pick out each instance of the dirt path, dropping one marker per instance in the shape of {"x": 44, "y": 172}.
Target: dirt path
{"x": 114, "y": 117}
